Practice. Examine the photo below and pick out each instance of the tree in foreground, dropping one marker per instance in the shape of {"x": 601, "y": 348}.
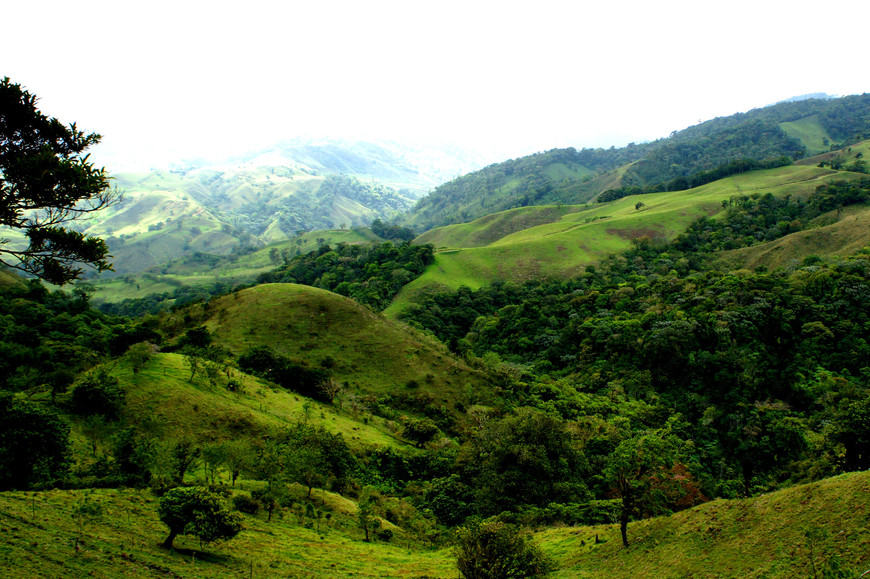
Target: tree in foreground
{"x": 496, "y": 550}
{"x": 45, "y": 183}
{"x": 645, "y": 474}
{"x": 199, "y": 512}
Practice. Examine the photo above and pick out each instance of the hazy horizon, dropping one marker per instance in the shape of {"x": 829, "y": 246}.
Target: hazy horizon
{"x": 166, "y": 81}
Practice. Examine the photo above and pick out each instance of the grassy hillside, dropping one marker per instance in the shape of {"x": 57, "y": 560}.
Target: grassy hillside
{"x": 836, "y": 233}
{"x": 561, "y": 241}
{"x": 810, "y": 132}
{"x": 758, "y": 537}
{"x": 374, "y": 355}
{"x": 41, "y": 531}
{"x": 163, "y": 402}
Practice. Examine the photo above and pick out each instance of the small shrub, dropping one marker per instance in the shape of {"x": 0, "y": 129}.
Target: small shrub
{"x": 247, "y": 504}
{"x": 495, "y": 550}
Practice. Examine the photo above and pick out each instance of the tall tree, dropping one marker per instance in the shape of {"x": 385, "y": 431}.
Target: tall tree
{"x": 45, "y": 183}
{"x": 639, "y": 470}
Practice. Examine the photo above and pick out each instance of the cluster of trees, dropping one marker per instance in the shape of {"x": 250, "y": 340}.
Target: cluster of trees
{"x": 47, "y": 338}
{"x": 371, "y": 274}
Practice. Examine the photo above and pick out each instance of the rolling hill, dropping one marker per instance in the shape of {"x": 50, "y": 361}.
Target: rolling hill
{"x": 560, "y": 241}
{"x": 374, "y": 356}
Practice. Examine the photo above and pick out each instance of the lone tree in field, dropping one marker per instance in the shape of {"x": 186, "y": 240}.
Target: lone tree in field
{"x": 46, "y": 182}
{"x": 199, "y": 512}
{"x": 641, "y": 470}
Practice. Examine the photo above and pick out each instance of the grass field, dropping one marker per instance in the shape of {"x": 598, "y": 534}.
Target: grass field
{"x": 560, "y": 241}
{"x": 810, "y": 132}
{"x": 764, "y": 536}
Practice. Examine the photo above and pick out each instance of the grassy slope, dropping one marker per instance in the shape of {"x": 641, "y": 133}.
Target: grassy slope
{"x": 164, "y": 402}
{"x": 373, "y": 354}
{"x": 564, "y": 246}
{"x": 124, "y": 542}
{"x": 757, "y": 537}
{"x": 810, "y": 132}
{"x": 848, "y": 154}
{"x": 840, "y": 236}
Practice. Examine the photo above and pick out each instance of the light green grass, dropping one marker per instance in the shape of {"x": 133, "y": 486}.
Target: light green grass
{"x": 40, "y": 531}
{"x": 752, "y": 538}
{"x": 163, "y": 400}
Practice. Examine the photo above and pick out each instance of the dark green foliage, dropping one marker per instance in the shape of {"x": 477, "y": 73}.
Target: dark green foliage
{"x": 46, "y": 336}
{"x": 307, "y": 455}
{"x": 756, "y": 219}
{"x": 45, "y": 182}
{"x": 504, "y": 453}
{"x": 495, "y": 550}
{"x": 291, "y": 374}
{"x": 853, "y": 432}
{"x": 247, "y": 504}
{"x": 98, "y": 393}
{"x": 638, "y": 469}
{"x": 420, "y": 431}
{"x": 199, "y": 512}
{"x": 751, "y": 363}
{"x": 370, "y": 274}
{"x": 34, "y": 444}
{"x": 716, "y": 153}
{"x": 391, "y": 232}
{"x": 134, "y": 457}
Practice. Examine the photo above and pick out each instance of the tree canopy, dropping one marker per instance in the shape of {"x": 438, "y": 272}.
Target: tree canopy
{"x": 45, "y": 183}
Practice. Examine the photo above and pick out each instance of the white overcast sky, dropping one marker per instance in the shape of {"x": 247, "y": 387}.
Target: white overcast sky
{"x": 166, "y": 80}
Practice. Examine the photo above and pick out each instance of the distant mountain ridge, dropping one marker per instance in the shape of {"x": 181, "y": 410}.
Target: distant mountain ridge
{"x": 794, "y": 128}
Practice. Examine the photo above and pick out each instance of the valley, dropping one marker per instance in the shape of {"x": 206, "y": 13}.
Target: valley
{"x": 335, "y": 359}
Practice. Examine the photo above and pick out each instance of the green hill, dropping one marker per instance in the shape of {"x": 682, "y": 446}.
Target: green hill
{"x": 373, "y": 355}
{"x": 538, "y": 242}
{"x": 162, "y": 401}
